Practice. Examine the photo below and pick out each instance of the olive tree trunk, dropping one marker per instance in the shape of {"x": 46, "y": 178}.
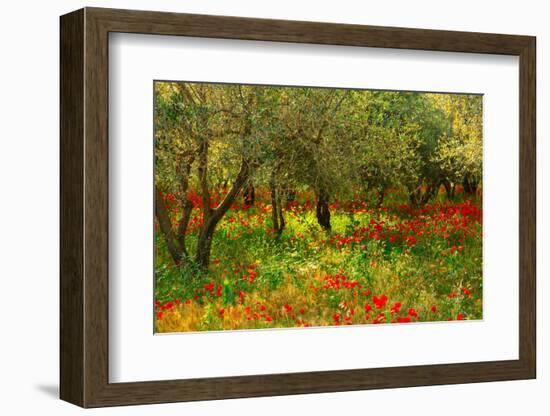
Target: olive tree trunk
{"x": 323, "y": 211}
{"x": 212, "y": 217}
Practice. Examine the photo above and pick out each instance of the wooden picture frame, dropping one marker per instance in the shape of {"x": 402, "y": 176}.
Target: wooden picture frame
{"x": 84, "y": 207}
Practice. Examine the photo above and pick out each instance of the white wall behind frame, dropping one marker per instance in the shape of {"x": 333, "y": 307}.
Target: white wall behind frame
{"x": 29, "y": 213}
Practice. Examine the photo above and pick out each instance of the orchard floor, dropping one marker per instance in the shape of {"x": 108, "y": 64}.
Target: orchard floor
{"x": 394, "y": 264}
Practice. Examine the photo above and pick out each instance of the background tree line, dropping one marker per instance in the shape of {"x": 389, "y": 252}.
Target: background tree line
{"x": 228, "y": 140}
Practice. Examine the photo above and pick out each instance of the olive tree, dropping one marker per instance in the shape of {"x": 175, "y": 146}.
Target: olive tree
{"x": 460, "y": 152}
{"x": 204, "y": 132}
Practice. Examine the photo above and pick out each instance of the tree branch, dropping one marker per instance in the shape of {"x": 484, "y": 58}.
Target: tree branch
{"x": 165, "y": 225}
{"x": 203, "y": 177}
{"x": 239, "y": 182}
{"x": 186, "y": 204}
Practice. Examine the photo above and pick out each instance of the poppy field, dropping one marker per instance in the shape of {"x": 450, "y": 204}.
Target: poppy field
{"x": 285, "y": 207}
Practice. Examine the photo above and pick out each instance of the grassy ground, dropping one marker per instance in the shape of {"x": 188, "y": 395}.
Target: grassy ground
{"x": 395, "y": 264}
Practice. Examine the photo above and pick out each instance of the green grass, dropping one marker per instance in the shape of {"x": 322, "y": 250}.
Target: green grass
{"x": 292, "y": 269}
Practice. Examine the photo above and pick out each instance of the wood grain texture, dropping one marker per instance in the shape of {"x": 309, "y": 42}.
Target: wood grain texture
{"x": 96, "y": 208}
{"x": 527, "y": 207}
{"x": 71, "y": 213}
{"x": 84, "y": 207}
{"x": 162, "y": 23}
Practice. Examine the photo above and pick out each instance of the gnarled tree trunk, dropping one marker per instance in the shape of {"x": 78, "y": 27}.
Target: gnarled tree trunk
{"x": 212, "y": 217}
{"x": 450, "y": 188}
{"x": 418, "y": 197}
{"x": 277, "y": 217}
{"x": 323, "y": 211}
{"x": 175, "y": 241}
{"x": 381, "y": 193}
{"x": 165, "y": 224}
{"x": 249, "y": 196}
{"x": 470, "y": 186}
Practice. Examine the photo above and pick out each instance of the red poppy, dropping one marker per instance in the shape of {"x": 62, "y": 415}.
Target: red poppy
{"x": 403, "y": 319}
{"x": 222, "y": 312}
{"x": 209, "y": 286}
{"x": 160, "y": 315}
{"x": 368, "y": 307}
{"x": 460, "y": 317}
{"x": 302, "y": 310}
{"x": 413, "y": 313}
{"x": 287, "y": 307}
{"x": 434, "y": 309}
{"x": 252, "y": 275}
{"x": 466, "y": 291}
{"x": 396, "y": 307}
{"x": 380, "y": 302}
{"x": 268, "y": 318}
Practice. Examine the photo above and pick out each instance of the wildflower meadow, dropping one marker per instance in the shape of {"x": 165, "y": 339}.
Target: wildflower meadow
{"x": 284, "y": 207}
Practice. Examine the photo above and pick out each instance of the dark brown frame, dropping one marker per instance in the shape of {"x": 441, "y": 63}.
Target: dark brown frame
{"x": 84, "y": 207}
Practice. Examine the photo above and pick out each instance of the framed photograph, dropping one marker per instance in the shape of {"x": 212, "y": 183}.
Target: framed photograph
{"x": 254, "y": 207}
